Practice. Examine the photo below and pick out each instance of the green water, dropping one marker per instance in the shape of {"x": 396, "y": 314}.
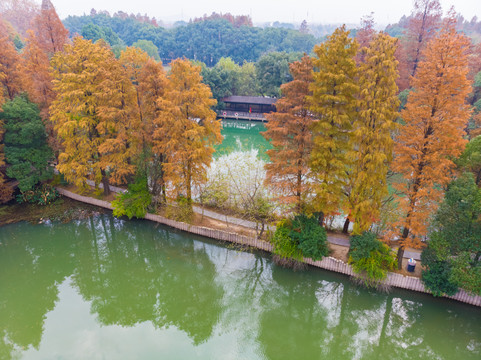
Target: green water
{"x": 242, "y": 135}
{"x": 103, "y": 288}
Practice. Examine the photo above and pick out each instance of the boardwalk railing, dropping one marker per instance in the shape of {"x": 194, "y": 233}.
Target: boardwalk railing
{"x": 240, "y": 115}
{"x": 327, "y": 263}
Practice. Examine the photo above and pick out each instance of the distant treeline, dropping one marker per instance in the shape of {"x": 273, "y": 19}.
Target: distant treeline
{"x": 206, "y": 41}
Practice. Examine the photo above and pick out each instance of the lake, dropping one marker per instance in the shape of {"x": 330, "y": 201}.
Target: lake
{"x": 104, "y": 288}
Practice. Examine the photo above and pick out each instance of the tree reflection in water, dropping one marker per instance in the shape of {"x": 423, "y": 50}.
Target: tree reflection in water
{"x": 132, "y": 273}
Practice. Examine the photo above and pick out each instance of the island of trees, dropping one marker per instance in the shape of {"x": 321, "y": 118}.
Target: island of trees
{"x": 377, "y": 130}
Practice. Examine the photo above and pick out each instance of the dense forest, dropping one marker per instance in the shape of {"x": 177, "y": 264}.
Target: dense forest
{"x": 206, "y": 40}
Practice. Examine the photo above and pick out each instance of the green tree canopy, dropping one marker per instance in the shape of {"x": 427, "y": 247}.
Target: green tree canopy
{"x": 26, "y": 150}
{"x": 452, "y": 258}
{"x": 272, "y": 71}
{"x": 149, "y": 47}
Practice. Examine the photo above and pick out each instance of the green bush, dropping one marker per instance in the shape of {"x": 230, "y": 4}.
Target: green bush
{"x": 40, "y": 195}
{"x": 300, "y": 237}
{"x": 437, "y": 278}
{"x": 370, "y": 258}
{"x": 134, "y": 202}
{"x": 284, "y": 246}
{"x": 309, "y": 236}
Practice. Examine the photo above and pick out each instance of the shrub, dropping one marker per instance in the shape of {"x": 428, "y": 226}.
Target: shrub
{"x": 40, "y": 195}
{"x": 309, "y": 236}
{"x": 298, "y": 238}
{"x": 436, "y": 278}
{"x": 370, "y": 259}
{"x": 134, "y": 202}
{"x": 284, "y": 246}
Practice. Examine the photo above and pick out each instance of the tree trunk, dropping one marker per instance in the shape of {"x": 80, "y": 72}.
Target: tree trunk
{"x": 189, "y": 182}
{"x": 321, "y": 218}
{"x": 400, "y": 255}
{"x": 105, "y": 183}
{"x": 345, "y": 228}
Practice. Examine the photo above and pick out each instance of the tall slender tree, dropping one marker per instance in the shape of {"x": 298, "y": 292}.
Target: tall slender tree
{"x": 9, "y": 60}
{"x": 435, "y": 118}
{"x": 365, "y": 35}
{"x": 149, "y": 81}
{"x": 334, "y": 103}
{"x": 372, "y": 141}
{"x": 51, "y": 34}
{"x": 35, "y": 75}
{"x": 117, "y": 121}
{"x": 37, "y": 80}
{"x": 289, "y": 131}
{"x": 186, "y": 128}
{"x": 424, "y": 22}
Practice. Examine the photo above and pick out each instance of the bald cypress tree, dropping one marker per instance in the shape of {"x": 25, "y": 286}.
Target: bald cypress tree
{"x": 435, "y": 117}
{"x": 372, "y": 134}
{"x": 333, "y": 102}
{"x": 289, "y": 132}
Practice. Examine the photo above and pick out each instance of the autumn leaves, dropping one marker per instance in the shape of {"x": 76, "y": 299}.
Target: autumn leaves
{"x": 332, "y": 131}
{"x": 109, "y": 113}
{"x": 334, "y": 128}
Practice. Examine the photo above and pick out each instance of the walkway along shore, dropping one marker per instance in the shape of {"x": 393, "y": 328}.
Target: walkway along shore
{"x": 327, "y": 263}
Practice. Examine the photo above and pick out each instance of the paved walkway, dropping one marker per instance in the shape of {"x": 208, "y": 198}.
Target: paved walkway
{"x": 230, "y": 219}
{"x": 337, "y": 239}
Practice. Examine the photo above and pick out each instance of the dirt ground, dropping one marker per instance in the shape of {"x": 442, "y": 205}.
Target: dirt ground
{"x": 339, "y": 252}
{"x": 403, "y": 271}
{"x": 205, "y": 221}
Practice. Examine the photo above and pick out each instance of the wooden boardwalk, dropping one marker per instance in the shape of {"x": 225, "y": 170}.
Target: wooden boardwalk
{"x": 327, "y": 263}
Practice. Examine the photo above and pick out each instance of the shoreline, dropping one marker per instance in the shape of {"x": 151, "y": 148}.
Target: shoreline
{"x": 327, "y": 263}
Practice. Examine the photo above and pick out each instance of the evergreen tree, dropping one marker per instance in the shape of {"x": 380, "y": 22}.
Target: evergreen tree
{"x": 453, "y": 256}
{"x": 26, "y": 150}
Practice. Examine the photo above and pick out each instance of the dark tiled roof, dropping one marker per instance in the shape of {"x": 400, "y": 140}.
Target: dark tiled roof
{"x": 249, "y": 100}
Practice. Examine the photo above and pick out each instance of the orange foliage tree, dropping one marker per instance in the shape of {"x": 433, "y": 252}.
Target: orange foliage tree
{"x": 9, "y": 60}
{"x": 365, "y": 35}
{"x": 186, "y": 128}
{"x": 51, "y": 34}
{"x": 423, "y": 24}
{"x": 92, "y": 114}
{"x": 435, "y": 117}
{"x": 19, "y": 13}
{"x": 289, "y": 132}
{"x": 149, "y": 82}
{"x": 36, "y": 78}
{"x": 35, "y": 75}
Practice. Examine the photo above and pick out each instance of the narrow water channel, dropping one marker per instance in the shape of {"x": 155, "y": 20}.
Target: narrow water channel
{"x": 103, "y": 288}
